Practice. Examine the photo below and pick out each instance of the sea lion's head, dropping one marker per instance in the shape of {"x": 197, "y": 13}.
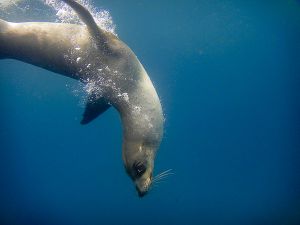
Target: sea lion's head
{"x": 139, "y": 163}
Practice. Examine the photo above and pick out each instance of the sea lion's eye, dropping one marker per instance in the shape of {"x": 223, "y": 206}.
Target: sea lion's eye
{"x": 139, "y": 169}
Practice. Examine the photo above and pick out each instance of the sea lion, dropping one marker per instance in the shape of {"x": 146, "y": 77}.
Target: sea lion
{"x": 113, "y": 75}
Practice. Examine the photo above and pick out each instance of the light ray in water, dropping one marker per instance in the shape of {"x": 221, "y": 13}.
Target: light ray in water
{"x": 8, "y": 3}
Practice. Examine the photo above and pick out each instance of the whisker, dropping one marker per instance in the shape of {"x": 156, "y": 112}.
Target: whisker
{"x": 158, "y": 181}
{"x": 166, "y": 171}
{"x": 162, "y": 175}
{"x": 160, "y": 178}
{"x": 155, "y": 185}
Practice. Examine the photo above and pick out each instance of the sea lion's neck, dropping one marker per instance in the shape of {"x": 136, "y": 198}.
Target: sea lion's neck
{"x": 141, "y": 113}
{"x": 142, "y": 123}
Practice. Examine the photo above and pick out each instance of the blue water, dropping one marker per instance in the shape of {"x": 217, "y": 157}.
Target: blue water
{"x": 228, "y": 75}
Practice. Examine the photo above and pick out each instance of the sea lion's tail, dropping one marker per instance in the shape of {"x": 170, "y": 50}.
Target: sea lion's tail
{"x": 88, "y": 19}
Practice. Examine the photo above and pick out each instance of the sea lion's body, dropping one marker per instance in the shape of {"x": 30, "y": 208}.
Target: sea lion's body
{"x": 111, "y": 71}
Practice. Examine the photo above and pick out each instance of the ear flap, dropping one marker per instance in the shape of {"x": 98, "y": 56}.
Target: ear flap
{"x": 94, "y": 107}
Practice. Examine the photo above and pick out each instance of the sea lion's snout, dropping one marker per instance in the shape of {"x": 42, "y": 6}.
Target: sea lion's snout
{"x": 143, "y": 185}
{"x": 142, "y": 176}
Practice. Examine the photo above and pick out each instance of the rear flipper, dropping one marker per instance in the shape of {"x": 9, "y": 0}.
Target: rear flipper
{"x": 98, "y": 35}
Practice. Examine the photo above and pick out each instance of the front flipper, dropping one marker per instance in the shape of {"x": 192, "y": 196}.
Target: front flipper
{"x": 94, "y": 107}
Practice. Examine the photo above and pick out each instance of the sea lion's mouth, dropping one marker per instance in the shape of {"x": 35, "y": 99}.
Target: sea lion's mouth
{"x": 141, "y": 193}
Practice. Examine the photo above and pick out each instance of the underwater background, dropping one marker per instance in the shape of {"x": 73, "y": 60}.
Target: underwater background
{"x": 228, "y": 75}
